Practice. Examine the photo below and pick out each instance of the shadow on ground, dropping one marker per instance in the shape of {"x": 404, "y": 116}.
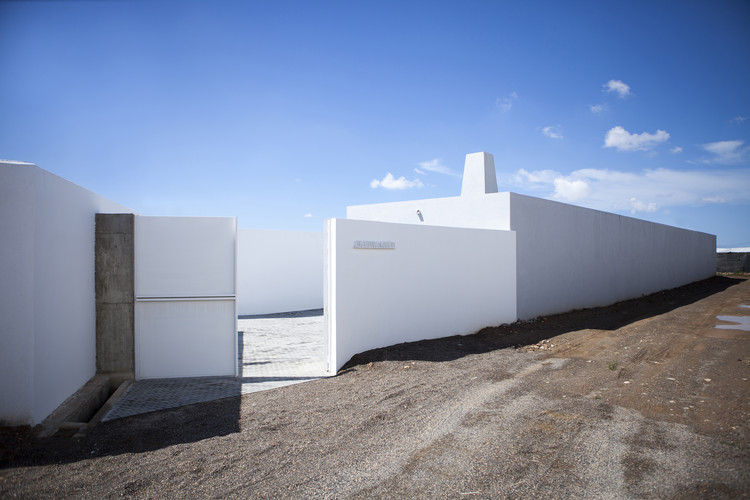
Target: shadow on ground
{"x": 524, "y": 333}
{"x": 136, "y": 434}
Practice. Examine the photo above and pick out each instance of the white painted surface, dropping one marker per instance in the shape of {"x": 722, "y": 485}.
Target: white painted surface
{"x": 489, "y": 211}
{"x": 479, "y": 175}
{"x": 571, "y": 257}
{"x": 185, "y": 256}
{"x": 193, "y": 258}
{"x": 47, "y": 295}
{"x": 279, "y": 271}
{"x": 186, "y": 338}
{"x": 437, "y": 282}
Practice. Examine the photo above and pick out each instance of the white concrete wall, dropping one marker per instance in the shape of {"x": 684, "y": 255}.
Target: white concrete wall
{"x": 185, "y": 287}
{"x": 47, "y": 302}
{"x": 488, "y": 211}
{"x": 436, "y": 282}
{"x": 571, "y": 257}
{"x": 279, "y": 271}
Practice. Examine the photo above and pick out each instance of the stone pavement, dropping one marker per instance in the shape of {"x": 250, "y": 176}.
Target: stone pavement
{"x": 273, "y": 351}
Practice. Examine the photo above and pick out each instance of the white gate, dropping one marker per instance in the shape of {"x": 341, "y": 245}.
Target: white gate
{"x": 185, "y": 296}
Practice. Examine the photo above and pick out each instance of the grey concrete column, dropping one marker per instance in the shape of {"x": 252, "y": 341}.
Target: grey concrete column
{"x": 115, "y": 295}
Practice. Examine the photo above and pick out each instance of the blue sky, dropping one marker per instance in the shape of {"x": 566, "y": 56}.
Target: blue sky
{"x": 283, "y": 113}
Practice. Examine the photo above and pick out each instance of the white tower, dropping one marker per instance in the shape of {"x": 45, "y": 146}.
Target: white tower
{"x": 479, "y": 175}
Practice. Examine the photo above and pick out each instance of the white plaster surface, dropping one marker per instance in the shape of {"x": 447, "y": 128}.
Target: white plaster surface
{"x": 436, "y": 282}
{"x": 194, "y": 259}
{"x": 186, "y": 338}
{"x": 489, "y": 211}
{"x": 571, "y": 257}
{"x": 568, "y": 257}
{"x": 479, "y": 175}
{"x": 47, "y": 302}
{"x": 279, "y": 271}
{"x": 185, "y": 256}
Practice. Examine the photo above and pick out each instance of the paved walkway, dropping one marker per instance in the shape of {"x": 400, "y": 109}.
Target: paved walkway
{"x": 274, "y": 350}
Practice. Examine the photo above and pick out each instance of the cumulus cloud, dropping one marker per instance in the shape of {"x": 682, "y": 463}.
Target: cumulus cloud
{"x": 522, "y": 176}
{"x": 726, "y": 152}
{"x": 738, "y": 119}
{"x": 622, "y": 140}
{"x": 571, "y": 190}
{"x": 637, "y": 205}
{"x": 553, "y": 132}
{"x": 390, "y": 182}
{"x": 619, "y": 87}
{"x": 598, "y": 108}
{"x": 676, "y": 149}
{"x": 639, "y": 191}
{"x": 435, "y": 166}
{"x": 504, "y": 104}
{"x": 307, "y": 215}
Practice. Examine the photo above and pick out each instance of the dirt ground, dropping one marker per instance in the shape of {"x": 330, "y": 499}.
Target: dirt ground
{"x": 643, "y": 399}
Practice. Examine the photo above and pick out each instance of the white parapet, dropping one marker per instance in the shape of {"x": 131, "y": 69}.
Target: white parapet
{"x": 479, "y": 175}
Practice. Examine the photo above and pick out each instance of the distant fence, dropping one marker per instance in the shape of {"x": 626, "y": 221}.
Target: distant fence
{"x": 733, "y": 262}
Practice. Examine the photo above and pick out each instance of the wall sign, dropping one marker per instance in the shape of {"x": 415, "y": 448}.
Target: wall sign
{"x": 377, "y": 245}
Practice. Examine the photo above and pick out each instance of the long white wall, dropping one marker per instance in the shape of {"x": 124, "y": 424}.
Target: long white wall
{"x": 279, "y": 271}
{"x": 47, "y": 303}
{"x": 436, "y": 282}
{"x": 571, "y": 257}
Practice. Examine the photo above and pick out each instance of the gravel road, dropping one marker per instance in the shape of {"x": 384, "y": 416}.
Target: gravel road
{"x": 643, "y": 399}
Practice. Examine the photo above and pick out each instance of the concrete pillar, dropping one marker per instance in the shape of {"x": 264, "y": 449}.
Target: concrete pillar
{"x": 115, "y": 296}
{"x": 479, "y": 175}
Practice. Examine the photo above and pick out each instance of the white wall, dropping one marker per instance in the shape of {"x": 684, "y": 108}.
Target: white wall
{"x": 185, "y": 287}
{"x": 437, "y": 282}
{"x": 571, "y": 257}
{"x": 47, "y": 302}
{"x": 279, "y": 271}
{"x": 488, "y": 211}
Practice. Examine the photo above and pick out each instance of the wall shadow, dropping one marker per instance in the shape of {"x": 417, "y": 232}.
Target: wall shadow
{"x": 134, "y": 434}
{"x": 524, "y": 333}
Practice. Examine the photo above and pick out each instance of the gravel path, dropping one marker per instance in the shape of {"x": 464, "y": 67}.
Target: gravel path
{"x": 643, "y": 399}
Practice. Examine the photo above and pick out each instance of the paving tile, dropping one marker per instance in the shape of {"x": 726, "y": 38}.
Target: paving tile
{"x": 274, "y": 351}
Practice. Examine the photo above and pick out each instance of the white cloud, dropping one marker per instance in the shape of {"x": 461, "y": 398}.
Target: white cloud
{"x": 676, "y": 149}
{"x": 637, "y": 205}
{"x": 553, "y": 132}
{"x": 389, "y": 182}
{"x": 505, "y": 103}
{"x": 726, "y": 152}
{"x": 307, "y": 215}
{"x": 738, "y": 119}
{"x": 598, "y": 108}
{"x": 622, "y": 89}
{"x": 638, "y": 191}
{"x": 714, "y": 199}
{"x": 571, "y": 190}
{"x": 537, "y": 177}
{"x": 435, "y": 166}
{"x": 622, "y": 140}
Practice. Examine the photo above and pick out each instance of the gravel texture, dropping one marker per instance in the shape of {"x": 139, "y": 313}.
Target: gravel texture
{"x": 643, "y": 399}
